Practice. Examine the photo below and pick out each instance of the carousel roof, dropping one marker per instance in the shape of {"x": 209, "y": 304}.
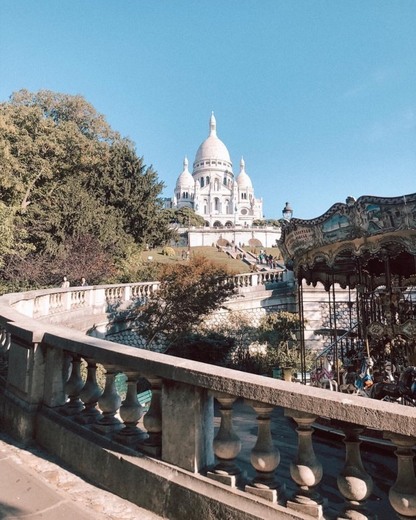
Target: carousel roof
{"x": 361, "y": 238}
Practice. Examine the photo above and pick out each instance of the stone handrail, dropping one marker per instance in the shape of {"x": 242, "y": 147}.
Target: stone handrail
{"x": 47, "y": 397}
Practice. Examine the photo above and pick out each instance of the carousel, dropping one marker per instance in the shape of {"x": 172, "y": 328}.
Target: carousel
{"x": 367, "y": 247}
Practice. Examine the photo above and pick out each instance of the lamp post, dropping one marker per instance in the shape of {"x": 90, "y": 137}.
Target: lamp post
{"x": 287, "y": 212}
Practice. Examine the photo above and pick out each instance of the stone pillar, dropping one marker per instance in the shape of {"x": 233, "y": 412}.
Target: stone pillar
{"x": 188, "y": 423}
{"x": 5, "y": 341}
{"x": 305, "y": 470}
{"x": 402, "y": 494}
{"x": 109, "y": 403}
{"x": 152, "y": 421}
{"x": 227, "y": 444}
{"x": 57, "y": 366}
{"x": 73, "y": 388}
{"x": 354, "y": 483}
{"x": 130, "y": 412}
{"x": 90, "y": 394}
{"x": 264, "y": 457}
{"x": 25, "y": 381}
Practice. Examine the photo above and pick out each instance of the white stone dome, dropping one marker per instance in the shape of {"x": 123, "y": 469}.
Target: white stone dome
{"x": 212, "y": 148}
{"x": 185, "y": 179}
{"x": 243, "y": 180}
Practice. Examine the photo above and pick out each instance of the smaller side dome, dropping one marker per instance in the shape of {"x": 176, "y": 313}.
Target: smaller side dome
{"x": 185, "y": 179}
{"x": 243, "y": 180}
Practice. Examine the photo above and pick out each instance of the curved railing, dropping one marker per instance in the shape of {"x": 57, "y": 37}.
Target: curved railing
{"x": 177, "y": 446}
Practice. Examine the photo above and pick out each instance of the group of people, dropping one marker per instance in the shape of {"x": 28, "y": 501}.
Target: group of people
{"x": 65, "y": 282}
{"x": 270, "y": 260}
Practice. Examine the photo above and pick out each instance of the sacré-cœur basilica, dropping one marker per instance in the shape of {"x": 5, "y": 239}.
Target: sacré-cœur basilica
{"x": 226, "y": 201}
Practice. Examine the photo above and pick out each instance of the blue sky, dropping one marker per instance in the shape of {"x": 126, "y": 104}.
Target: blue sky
{"x": 319, "y": 96}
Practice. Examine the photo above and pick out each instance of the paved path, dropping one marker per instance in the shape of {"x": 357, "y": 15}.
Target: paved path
{"x": 33, "y": 486}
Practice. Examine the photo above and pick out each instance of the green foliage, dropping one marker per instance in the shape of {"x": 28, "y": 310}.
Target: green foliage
{"x": 132, "y": 268}
{"x": 278, "y": 330}
{"x": 266, "y": 222}
{"x": 185, "y": 217}
{"x": 168, "y": 251}
{"x": 186, "y": 295}
{"x": 210, "y": 348}
{"x": 65, "y": 178}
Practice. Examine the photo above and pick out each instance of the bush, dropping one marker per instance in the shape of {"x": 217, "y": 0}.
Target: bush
{"x": 213, "y": 348}
{"x": 168, "y": 251}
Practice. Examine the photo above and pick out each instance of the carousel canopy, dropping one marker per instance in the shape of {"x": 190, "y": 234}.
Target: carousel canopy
{"x": 361, "y": 241}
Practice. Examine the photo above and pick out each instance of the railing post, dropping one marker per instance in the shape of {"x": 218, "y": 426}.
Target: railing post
{"x": 109, "y": 403}
{"x": 402, "y": 494}
{"x": 130, "y": 412}
{"x": 305, "y": 470}
{"x": 264, "y": 457}
{"x": 5, "y": 340}
{"x": 187, "y": 422}
{"x": 227, "y": 444}
{"x": 90, "y": 394}
{"x": 354, "y": 483}
{"x": 73, "y": 388}
{"x": 152, "y": 421}
{"x": 25, "y": 381}
{"x": 57, "y": 365}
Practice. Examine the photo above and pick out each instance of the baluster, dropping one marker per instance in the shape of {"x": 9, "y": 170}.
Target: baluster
{"x": 130, "y": 412}
{"x": 402, "y": 494}
{"x": 265, "y": 457}
{"x": 354, "y": 483}
{"x": 73, "y": 388}
{"x": 5, "y": 340}
{"x": 90, "y": 394}
{"x": 227, "y": 444}
{"x": 109, "y": 403}
{"x": 305, "y": 470}
{"x": 152, "y": 421}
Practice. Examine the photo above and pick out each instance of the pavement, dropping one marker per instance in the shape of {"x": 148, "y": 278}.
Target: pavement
{"x": 34, "y": 486}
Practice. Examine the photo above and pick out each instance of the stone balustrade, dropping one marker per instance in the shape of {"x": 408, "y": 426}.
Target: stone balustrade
{"x": 175, "y": 458}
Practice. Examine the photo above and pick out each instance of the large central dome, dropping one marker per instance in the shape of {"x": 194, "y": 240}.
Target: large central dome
{"x": 212, "y": 148}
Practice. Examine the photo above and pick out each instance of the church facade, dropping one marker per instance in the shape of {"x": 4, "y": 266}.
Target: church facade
{"x": 213, "y": 191}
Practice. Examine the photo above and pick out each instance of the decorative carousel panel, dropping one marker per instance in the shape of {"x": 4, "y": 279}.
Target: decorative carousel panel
{"x": 371, "y": 229}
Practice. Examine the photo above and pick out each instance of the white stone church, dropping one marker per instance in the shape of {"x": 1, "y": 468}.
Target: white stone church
{"x": 212, "y": 190}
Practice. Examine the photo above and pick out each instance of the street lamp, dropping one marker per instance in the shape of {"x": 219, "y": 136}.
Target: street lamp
{"x": 287, "y": 212}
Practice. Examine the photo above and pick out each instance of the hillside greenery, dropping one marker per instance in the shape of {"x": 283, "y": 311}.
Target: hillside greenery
{"x": 75, "y": 197}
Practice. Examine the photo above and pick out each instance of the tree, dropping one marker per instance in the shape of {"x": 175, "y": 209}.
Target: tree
{"x": 267, "y": 222}
{"x": 65, "y": 175}
{"x": 278, "y": 330}
{"x": 186, "y": 295}
{"x": 185, "y": 217}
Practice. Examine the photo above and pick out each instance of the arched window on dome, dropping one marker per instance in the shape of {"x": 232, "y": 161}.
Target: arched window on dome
{"x": 224, "y": 181}
{"x": 244, "y": 196}
{"x": 185, "y": 195}
{"x": 207, "y": 180}
{"x": 201, "y": 182}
